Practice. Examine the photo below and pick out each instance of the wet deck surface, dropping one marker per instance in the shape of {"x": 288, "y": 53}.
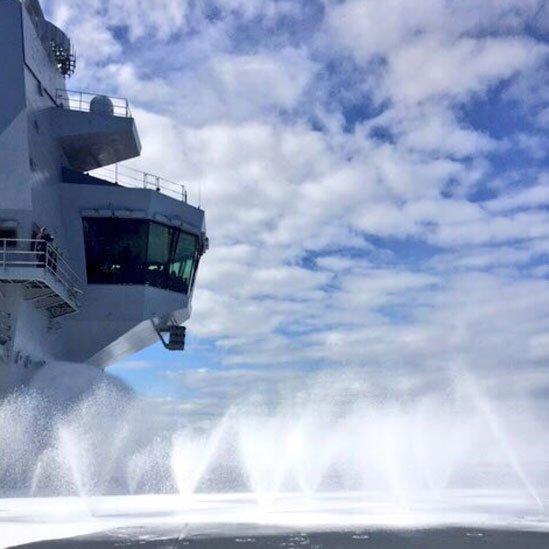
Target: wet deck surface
{"x": 225, "y": 537}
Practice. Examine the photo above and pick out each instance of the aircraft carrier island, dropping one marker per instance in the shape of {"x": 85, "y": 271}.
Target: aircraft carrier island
{"x": 97, "y": 260}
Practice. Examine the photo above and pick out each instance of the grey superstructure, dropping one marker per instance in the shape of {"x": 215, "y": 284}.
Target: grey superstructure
{"x": 115, "y": 267}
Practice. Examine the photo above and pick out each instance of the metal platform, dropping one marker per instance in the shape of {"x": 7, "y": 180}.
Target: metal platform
{"x": 48, "y": 279}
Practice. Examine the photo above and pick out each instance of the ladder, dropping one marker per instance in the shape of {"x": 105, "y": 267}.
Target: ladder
{"x": 45, "y": 298}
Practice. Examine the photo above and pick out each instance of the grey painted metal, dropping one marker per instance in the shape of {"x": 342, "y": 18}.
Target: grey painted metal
{"x": 89, "y": 139}
{"x": 48, "y": 138}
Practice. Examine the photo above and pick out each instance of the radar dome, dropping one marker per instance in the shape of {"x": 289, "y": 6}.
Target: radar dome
{"x": 101, "y": 104}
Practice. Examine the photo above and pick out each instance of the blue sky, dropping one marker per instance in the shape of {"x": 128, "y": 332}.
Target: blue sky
{"x": 374, "y": 175}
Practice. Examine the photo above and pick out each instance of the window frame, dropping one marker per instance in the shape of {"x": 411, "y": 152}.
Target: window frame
{"x": 167, "y": 280}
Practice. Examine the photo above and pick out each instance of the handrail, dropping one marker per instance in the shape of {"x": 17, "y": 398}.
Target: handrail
{"x": 93, "y": 102}
{"x": 130, "y": 177}
{"x": 37, "y": 253}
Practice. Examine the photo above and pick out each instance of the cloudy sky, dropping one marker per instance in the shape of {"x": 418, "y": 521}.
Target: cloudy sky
{"x": 374, "y": 174}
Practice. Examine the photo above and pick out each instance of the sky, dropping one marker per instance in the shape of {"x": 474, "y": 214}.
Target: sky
{"x": 374, "y": 175}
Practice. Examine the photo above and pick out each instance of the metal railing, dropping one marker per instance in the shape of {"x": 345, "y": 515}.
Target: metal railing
{"x": 34, "y": 253}
{"x": 130, "y": 177}
{"x": 91, "y": 102}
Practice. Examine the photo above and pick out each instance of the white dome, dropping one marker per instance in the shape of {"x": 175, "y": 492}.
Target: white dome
{"x": 102, "y": 104}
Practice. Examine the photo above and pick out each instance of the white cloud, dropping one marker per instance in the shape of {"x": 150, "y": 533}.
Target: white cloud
{"x": 373, "y": 28}
{"x": 543, "y": 117}
{"x": 434, "y": 129}
{"x": 430, "y": 68}
{"x": 370, "y": 28}
{"x": 536, "y": 196}
{"x": 273, "y": 80}
{"x": 342, "y": 238}
{"x": 158, "y": 19}
{"x": 161, "y": 18}
{"x": 491, "y": 257}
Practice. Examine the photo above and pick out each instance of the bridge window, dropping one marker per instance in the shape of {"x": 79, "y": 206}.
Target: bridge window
{"x": 141, "y": 252}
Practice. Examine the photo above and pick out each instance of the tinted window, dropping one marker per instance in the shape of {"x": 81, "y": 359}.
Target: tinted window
{"x": 130, "y": 251}
{"x": 183, "y": 261}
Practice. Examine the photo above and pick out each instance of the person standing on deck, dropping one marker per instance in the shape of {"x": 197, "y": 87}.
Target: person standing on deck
{"x": 40, "y": 246}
